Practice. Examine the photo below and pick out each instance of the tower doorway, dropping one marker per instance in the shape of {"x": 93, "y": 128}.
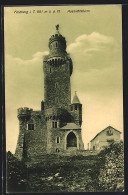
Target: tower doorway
{"x": 71, "y": 140}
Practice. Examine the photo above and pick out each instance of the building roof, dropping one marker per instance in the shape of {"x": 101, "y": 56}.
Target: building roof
{"x": 104, "y": 130}
{"x": 70, "y": 126}
{"x": 75, "y": 99}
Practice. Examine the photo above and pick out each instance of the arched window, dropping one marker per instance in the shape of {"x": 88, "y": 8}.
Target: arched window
{"x": 57, "y": 150}
{"x": 55, "y": 61}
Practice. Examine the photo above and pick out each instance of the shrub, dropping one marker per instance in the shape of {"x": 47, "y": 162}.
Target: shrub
{"x": 111, "y": 176}
{"x": 16, "y": 174}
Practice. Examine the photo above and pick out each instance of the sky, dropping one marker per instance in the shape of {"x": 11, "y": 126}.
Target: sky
{"x": 94, "y": 41}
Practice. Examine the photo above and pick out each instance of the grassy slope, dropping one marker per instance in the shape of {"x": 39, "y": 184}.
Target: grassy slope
{"x": 64, "y": 174}
{"x": 54, "y": 173}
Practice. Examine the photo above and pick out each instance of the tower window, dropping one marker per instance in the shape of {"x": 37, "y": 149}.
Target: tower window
{"x": 66, "y": 66}
{"x": 57, "y": 140}
{"x": 75, "y": 107}
{"x": 50, "y": 70}
{"x": 30, "y": 127}
{"x": 54, "y": 124}
{"x": 57, "y": 150}
{"x": 56, "y": 85}
{"x": 56, "y": 44}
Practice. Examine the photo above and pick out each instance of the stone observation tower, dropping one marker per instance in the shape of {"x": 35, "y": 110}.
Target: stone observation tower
{"x": 56, "y": 128}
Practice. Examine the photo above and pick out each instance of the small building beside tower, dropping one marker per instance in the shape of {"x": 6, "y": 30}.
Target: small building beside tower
{"x": 104, "y": 138}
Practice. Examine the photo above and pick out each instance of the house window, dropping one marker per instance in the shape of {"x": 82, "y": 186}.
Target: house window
{"x": 75, "y": 107}
{"x": 52, "y": 124}
{"x": 94, "y": 147}
{"x": 110, "y": 140}
{"x": 58, "y": 140}
{"x": 109, "y": 132}
{"x": 30, "y": 127}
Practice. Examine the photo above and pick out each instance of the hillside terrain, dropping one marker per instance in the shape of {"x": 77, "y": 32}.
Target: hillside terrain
{"x": 54, "y": 173}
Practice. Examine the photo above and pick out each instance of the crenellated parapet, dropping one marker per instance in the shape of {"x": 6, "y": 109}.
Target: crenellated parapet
{"x": 24, "y": 114}
{"x": 57, "y": 60}
{"x": 59, "y": 38}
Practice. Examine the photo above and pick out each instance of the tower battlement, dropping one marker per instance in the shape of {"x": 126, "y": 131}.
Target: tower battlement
{"x": 56, "y": 37}
{"x": 24, "y": 113}
{"x": 57, "y": 44}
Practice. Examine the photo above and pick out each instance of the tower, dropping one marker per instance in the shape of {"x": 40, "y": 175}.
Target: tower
{"x": 76, "y": 110}
{"x": 56, "y": 128}
{"x": 57, "y": 71}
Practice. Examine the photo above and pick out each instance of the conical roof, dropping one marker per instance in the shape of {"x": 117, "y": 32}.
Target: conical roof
{"x": 75, "y": 99}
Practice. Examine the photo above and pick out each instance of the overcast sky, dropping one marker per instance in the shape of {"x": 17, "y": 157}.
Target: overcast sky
{"x": 94, "y": 41}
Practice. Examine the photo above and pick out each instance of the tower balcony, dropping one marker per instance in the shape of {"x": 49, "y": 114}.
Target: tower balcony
{"x": 56, "y": 60}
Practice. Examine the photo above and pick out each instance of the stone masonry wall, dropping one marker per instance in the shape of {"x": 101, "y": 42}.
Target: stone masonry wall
{"x": 57, "y": 90}
{"x": 62, "y": 134}
{"x": 36, "y": 140}
{"x": 77, "y": 114}
{"x": 33, "y": 142}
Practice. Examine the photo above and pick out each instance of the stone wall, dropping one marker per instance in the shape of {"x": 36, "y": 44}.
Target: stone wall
{"x": 77, "y": 114}
{"x": 32, "y": 142}
{"x": 62, "y": 146}
{"x": 57, "y": 90}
